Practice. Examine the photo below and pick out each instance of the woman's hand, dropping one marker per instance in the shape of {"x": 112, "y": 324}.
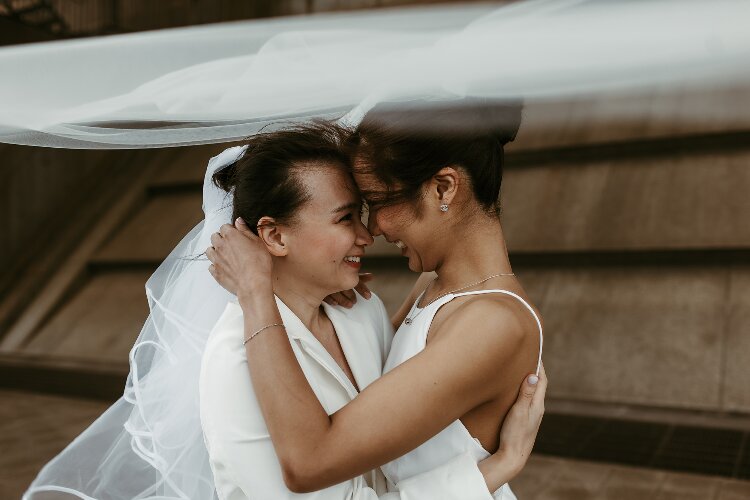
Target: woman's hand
{"x": 240, "y": 261}
{"x": 348, "y": 298}
{"x": 518, "y": 433}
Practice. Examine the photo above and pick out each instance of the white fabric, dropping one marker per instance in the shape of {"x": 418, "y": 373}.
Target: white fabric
{"x": 241, "y": 453}
{"x": 410, "y": 340}
{"x": 223, "y": 82}
{"x": 149, "y": 444}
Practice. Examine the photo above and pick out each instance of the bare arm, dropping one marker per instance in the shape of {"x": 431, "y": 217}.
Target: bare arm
{"x": 392, "y": 416}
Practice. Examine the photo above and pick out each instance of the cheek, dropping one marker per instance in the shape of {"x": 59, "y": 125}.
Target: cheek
{"x": 333, "y": 244}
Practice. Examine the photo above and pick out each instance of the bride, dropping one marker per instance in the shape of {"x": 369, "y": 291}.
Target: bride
{"x": 433, "y": 191}
{"x": 151, "y": 442}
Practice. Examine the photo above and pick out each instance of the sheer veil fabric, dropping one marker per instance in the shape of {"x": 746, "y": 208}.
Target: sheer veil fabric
{"x": 149, "y": 444}
{"x": 221, "y": 83}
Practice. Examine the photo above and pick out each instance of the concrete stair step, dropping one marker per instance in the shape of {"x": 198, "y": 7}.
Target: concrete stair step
{"x": 153, "y": 231}
{"x": 655, "y": 113}
{"x": 99, "y": 320}
{"x": 187, "y": 166}
{"x": 667, "y": 202}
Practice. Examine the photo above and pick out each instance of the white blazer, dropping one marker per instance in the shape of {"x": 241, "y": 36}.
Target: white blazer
{"x": 241, "y": 453}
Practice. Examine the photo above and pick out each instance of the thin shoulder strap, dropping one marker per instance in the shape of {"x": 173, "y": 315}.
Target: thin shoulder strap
{"x": 526, "y": 304}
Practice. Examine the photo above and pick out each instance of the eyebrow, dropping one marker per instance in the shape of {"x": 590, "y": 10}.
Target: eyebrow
{"x": 346, "y": 207}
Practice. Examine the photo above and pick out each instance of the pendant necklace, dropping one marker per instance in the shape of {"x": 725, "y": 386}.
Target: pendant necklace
{"x": 409, "y": 318}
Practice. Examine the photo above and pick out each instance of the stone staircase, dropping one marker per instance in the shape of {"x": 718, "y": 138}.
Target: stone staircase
{"x": 631, "y": 236}
{"x": 74, "y": 337}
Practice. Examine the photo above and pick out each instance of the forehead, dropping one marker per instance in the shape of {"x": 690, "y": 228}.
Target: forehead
{"x": 328, "y": 185}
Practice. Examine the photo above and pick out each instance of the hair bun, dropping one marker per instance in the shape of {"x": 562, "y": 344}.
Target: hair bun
{"x": 226, "y": 178}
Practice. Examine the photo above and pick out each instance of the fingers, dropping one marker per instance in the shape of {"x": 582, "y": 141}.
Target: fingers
{"x": 211, "y": 254}
{"x": 361, "y": 287}
{"x": 338, "y": 299}
{"x": 225, "y": 230}
{"x": 242, "y": 227}
{"x": 216, "y": 240}
{"x": 537, "y": 404}
{"x": 345, "y": 299}
{"x": 528, "y": 389}
{"x": 363, "y": 290}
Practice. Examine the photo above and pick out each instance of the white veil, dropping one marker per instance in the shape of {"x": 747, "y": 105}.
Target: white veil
{"x": 149, "y": 444}
{"x": 221, "y": 83}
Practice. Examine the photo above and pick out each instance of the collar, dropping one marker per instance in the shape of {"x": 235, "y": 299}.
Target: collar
{"x": 297, "y": 331}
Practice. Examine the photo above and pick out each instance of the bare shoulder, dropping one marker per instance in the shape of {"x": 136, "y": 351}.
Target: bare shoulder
{"x": 494, "y": 323}
{"x": 492, "y": 341}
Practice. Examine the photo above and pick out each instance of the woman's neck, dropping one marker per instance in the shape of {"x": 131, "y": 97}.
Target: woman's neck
{"x": 304, "y": 301}
{"x": 475, "y": 250}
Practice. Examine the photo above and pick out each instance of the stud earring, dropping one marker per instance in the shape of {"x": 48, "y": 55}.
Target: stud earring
{"x": 444, "y": 207}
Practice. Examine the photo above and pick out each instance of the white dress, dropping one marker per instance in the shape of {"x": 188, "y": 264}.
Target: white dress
{"x": 455, "y": 439}
{"x": 241, "y": 454}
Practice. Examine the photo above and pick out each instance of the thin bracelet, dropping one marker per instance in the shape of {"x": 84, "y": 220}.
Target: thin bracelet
{"x": 256, "y": 333}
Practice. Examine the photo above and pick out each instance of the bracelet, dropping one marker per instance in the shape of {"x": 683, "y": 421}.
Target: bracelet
{"x": 264, "y": 328}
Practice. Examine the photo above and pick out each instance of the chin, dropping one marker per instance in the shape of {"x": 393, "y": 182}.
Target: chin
{"x": 350, "y": 283}
{"x": 415, "y": 265}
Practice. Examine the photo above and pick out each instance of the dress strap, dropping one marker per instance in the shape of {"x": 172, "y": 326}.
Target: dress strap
{"x": 526, "y": 304}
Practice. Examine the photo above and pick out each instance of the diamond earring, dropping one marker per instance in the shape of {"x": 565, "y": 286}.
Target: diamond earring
{"x": 444, "y": 207}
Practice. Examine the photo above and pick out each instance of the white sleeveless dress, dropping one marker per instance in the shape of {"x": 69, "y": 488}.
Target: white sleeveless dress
{"x": 455, "y": 439}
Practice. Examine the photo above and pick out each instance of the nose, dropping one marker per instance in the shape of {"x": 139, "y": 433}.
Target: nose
{"x": 364, "y": 237}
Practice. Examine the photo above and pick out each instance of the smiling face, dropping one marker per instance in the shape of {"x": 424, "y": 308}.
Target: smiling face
{"x": 327, "y": 238}
{"x": 416, "y": 227}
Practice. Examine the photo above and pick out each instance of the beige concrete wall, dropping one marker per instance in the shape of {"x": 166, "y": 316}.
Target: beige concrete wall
{"x": 669, "y": 201}
{"x": 669, "y": 332}
{"x": 647, "y": 335}
{"x": 40, "y": 190}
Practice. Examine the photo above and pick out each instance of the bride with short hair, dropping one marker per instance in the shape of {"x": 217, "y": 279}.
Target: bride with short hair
{"x": 295, "y": 188}
{"x": 431, "y": 179}
{"x": 161, "y": 440}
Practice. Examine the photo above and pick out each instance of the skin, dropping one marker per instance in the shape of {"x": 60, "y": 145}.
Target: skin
{"x": 455, "y": 377}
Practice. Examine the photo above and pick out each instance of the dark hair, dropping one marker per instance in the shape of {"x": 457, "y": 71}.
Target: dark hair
{"x": 264, "y": 180}
{"x": 405, "y": 144}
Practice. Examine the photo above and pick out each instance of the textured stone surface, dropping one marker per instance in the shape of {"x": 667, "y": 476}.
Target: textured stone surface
{"x": 101, "y": 321}
{"x": 154, "y": 230}
{"x": 34, "y": 428}
{"x": 735, "y": 387}
{"x": 669, "y": 202}
{"x": 547, "y": 478}
{"x": 644, "y": 335}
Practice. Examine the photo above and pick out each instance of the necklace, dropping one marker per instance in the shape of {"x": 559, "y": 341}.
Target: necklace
{"x": 409, "y": 318}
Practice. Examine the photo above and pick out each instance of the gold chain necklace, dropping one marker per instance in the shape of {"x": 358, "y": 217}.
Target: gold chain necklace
{"x": 409, "y": 318}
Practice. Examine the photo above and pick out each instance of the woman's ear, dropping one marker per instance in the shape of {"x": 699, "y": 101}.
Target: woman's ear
{"x": 445, "y": 184}
{"x": 272, "y": 236}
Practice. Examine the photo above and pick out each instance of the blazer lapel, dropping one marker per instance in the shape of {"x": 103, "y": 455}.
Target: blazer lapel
{"x": 297, "y": 331}
{"x": 359, "y": 343}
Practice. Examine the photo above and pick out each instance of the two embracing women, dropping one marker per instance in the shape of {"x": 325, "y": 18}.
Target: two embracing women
{"x": 305, "y": 391}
